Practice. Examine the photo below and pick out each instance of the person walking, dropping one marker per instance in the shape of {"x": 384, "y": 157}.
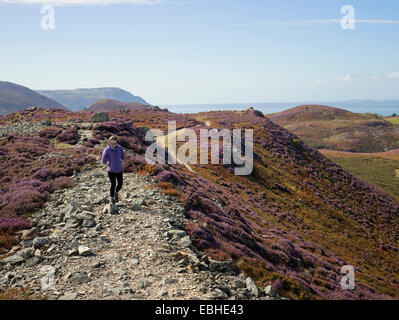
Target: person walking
{"x": 113, "y": 157}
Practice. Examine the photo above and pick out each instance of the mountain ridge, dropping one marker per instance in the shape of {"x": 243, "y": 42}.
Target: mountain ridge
{"x": 78, "y": 99}
{"x": 14, "y": 97}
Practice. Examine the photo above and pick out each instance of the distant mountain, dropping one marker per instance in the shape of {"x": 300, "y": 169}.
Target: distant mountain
{"x": 79, "y": 99}
{"x": 108, "y": 105}
{"x": 14, "y": 97}
{"x": 326, "y": 127}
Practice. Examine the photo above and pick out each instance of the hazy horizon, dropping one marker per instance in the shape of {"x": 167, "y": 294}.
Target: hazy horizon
{"x": 271, "y": 107}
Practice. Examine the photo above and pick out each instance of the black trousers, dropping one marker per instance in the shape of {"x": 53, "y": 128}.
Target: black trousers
{"x": 113, "y": 177}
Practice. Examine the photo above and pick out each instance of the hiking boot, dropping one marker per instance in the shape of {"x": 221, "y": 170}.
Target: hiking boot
{"x": 116, "y": 197}
{"x": 112, "y": 200}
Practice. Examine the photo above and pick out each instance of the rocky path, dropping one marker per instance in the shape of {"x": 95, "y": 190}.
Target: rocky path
{"x": 82, "y": 247}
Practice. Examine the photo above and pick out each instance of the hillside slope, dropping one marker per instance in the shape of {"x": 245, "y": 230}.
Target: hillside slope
{"x": 326, "y": 127}
{"x": 79, "y": 99}
{"x": 296, "y": 220}
{"x": 380, "y": 169}
{"x": 107, "y": 105}
{"x": 14, "y": 97}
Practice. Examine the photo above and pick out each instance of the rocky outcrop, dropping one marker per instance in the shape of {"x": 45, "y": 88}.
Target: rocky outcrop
{"x": 100, "y": 117}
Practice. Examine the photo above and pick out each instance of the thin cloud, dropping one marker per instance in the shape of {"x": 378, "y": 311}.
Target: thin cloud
{"x": 351, "y": 78}
{"x": 313, "y": 22}
{"x": 81, "y": 2}
{"x": 320, "y": 82}
{"x": 346, "y": 78}
{"x": 393, "y": 75}
{"x": 377, "y": 21}
{"x": 375, "y": 77}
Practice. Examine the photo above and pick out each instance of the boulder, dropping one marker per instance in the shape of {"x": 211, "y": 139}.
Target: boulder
{"x": 40, "y": 242}
{"x": 29, "y": 234}
{"x": 185, "y": 241}
{"x": 13, "y": 260}
{"x": 227, "y": 266}
{"x": 69, "y": 296}
{"x": 252, "y": 287}
{"x": 27, "y": 253}
{"x": 88, "y": 223}
{"x": 270, "y": 291}
{"x": 73, "y": 252}
{"x": 100, "y": 117}
{"x": 27, "y": 243}
{"x": 84, "y": 250}
{"x": 85, "y": 215}
{"x": 78, "y": 277}
{"x": 169, "y": 281}
{"x": 68, "y": 210}
{"x": 111, "y": 208}
{"x": 176, "y": 234}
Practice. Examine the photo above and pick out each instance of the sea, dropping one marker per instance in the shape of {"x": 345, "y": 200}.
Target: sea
{"x": 382, "y": 107}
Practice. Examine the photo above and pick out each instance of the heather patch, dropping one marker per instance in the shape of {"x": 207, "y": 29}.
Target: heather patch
{"x": 49, "y": 133}
{"x": 129, "y": 136}
{"x": 91, "y": 143}
{"x": 28, "y": 176}
{"x": 14, "y": 223}
{"x": 70, "y": 136}
{"x": 167, "y": 176}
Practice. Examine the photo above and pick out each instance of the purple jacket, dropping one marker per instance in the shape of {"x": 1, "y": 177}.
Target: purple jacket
{"x": 114, "y": 157}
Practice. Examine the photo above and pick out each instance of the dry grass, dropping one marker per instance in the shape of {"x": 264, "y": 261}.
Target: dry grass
{"x": 8, "y": 239}
{"x": 173, "y": 192}
{"x": 149, "y": 169}
{"x": 3, "y": 142}
{"x": 393, "y": 120}
{"x": 165, "y": 185}
{"x": 20, "y": 294}
{"x": 169, "y": 189}
{"x": 380, "y": 169}
{"x": 63, "y": 145}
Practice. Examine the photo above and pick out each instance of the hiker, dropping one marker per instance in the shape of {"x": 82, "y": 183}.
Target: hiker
{"x": 113, "y": 157}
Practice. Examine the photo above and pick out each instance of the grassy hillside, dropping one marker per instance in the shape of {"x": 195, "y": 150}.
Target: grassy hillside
{"x": 380, "y": 169}
{"x": 299, "y": 217}
{"x": 393, "y": 120}
{"x": 325, "y": 127}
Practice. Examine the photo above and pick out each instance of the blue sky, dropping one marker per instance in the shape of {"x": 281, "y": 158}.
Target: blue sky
{"x": 206, "y": 51}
